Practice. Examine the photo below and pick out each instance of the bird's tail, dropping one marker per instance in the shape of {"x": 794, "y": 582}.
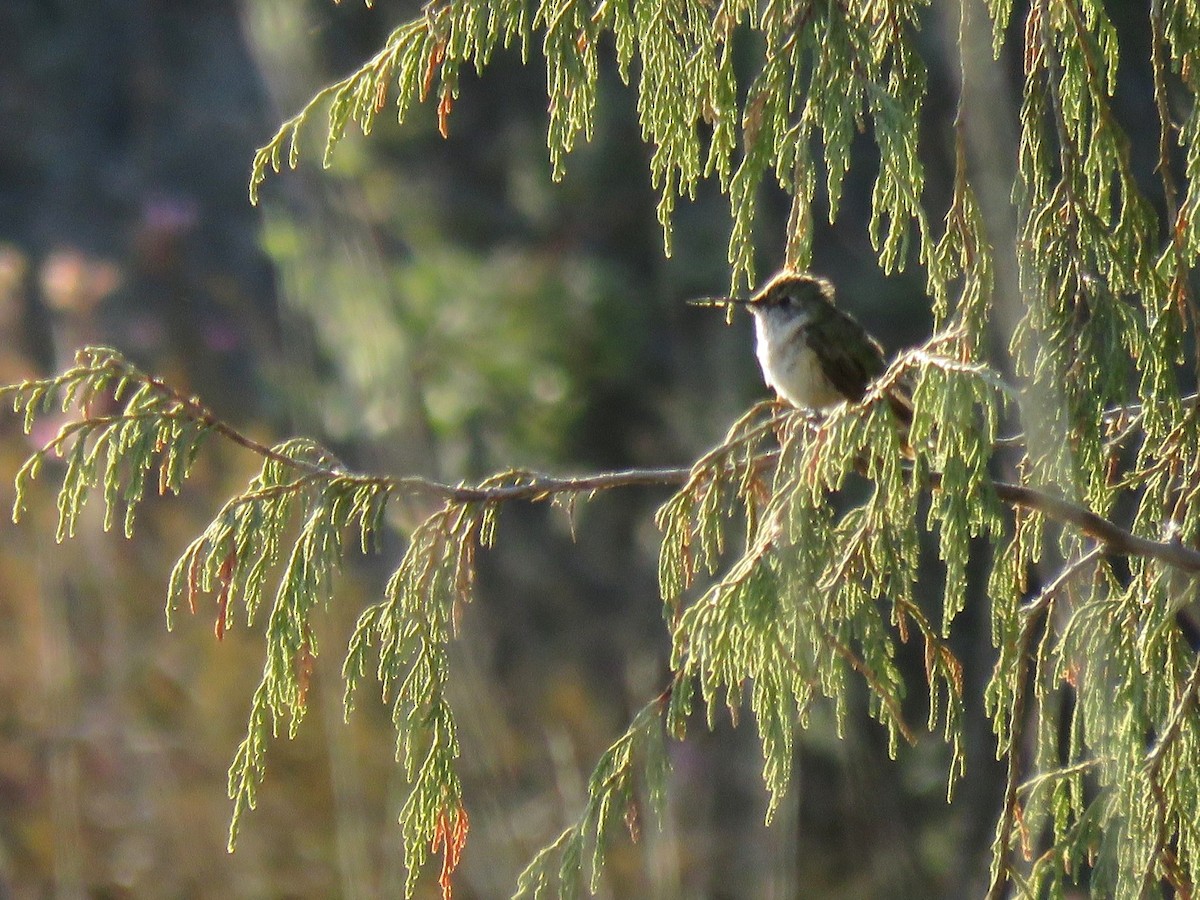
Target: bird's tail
{"x": 899, "y": 398}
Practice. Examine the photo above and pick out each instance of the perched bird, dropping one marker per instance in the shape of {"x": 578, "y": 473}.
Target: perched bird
{"x": 813, "y": 354}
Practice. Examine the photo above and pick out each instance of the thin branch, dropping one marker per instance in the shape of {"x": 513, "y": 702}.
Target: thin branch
{"x": 859, "y": 665}
{"x": 1113, "y": 415}
{"x": 1064, "y": 772}
{"x": 1158, "y": 64}
{"x": 201, "y": 414}
{"x": 535, "y": 487}
{"x": 532, "y": 486}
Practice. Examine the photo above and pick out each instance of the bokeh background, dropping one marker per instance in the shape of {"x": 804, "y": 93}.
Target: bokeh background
{"x": 430, "y": 306}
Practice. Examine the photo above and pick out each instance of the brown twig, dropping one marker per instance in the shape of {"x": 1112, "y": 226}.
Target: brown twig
{"x": 1158, "y": 65}
{"x": 859, "y": 665}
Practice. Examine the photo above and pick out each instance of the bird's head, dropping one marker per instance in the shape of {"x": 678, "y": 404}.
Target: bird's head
{"x": 792, "y": 295}
{"x": 787, "y": 295}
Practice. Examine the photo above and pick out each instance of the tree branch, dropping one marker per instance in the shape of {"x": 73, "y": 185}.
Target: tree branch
{"x": 1115, "y": 539}
{"x": 535, "y": 487}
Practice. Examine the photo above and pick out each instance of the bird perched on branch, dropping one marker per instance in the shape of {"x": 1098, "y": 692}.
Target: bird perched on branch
{"x": 813, "y": 354}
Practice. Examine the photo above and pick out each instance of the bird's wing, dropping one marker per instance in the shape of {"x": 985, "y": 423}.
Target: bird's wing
{"x": 850, "y": 358}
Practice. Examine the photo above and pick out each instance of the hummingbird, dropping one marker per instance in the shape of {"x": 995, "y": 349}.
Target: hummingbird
{"x": 813, "y": 354}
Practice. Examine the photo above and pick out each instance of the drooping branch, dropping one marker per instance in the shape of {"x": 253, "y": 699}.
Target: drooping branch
{"x": 536, "y": 487}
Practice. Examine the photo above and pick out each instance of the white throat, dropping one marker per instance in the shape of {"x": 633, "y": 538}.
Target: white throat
{"x": 788, "y": 364}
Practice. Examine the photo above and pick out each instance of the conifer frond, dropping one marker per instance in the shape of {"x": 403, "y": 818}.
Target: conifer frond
{"x": 817, "y": 598}
{"x": 111, "y": 451}
{"x": 825, "y": 73}
{"x": 410, "y": 630}
{"x": 693, "y": 522}
{"x": 790, "y": 566}
{"x": 430, "y": 49}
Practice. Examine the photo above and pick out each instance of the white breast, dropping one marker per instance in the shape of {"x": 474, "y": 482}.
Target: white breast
{"x": 788, "y": 364}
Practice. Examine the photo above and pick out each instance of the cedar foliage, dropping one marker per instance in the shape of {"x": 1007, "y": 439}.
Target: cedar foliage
{"x": 781, "y": 586}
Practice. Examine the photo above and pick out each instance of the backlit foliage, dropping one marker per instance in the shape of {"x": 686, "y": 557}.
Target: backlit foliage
{"x": 790, "y": 564}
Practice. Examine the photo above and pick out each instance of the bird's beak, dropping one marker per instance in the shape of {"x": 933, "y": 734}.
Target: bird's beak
{"x": 721, "y": 301}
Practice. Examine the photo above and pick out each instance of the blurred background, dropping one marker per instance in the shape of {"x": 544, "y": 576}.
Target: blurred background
{"x": 428, "y": 306}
